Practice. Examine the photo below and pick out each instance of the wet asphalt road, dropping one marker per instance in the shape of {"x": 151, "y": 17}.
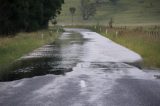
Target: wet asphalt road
{"x": 78, "y": 71}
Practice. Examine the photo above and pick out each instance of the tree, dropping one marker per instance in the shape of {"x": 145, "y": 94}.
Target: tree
{"x": 27, "y": 15}
{"x": 88, "y": 9}
{"x": 72, "y": 11}
{"x": 54, "y": 21}
{"x": 101, "y": 1}
{"x": 114, "y": 2}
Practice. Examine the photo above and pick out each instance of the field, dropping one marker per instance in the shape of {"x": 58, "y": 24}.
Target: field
{"x": 125, "y": 12}
{"x": 136, "y": 25}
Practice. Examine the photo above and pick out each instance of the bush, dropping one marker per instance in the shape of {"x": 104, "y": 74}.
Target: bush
{"x": 27, "y": 15}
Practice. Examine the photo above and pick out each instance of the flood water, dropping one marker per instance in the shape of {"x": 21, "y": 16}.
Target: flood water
{"x": 62, "y": 56}
{"x": 55, "y": 58}
{"x": 82, "y": 68}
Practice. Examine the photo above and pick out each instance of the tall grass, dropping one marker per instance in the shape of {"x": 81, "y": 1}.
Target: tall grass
{"x": 138, "y": 40}
{"x": 143, "y": 40}
{"x": 12, "y": 48}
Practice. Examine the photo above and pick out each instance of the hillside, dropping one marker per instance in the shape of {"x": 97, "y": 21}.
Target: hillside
{"x": 122, "y": 12}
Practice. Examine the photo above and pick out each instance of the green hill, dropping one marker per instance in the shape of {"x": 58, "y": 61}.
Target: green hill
{"x": 122, "y": 12}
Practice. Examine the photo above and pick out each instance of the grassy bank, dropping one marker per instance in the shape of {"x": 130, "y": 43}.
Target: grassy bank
{"x": 125, "y": 12}
{"x": 147, "y": 48}
{"x": 12, "y": 48}
{"x": 143, "y": 40}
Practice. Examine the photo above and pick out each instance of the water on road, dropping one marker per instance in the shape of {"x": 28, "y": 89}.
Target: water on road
{"x": 81, "y": 68}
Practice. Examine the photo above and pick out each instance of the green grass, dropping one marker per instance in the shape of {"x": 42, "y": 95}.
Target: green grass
{"x": 147, "y": 46}
{"x": 149, "y": 50}
{"x": 126, "y": 12}
{"x": 130, "y": 13}
{"x": 12, "y": 48}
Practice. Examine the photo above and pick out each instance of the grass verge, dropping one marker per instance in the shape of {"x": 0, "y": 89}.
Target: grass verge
{"x": 148, "y": 46}
{"x": 12, "y": 48}
{"x": 143, "y": 40}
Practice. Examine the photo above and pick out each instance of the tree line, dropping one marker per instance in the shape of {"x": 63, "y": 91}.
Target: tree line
{"x": 27, "y": 15}
{"x": 89, "y": 7}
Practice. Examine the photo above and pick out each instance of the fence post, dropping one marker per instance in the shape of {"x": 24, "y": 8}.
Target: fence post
{"x": 116, "y": 33}
{"x": 42, "y": 36}
{"x": 106, "y": 31}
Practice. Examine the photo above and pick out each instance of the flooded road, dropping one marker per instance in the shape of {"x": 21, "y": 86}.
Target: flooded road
{"x": 81, "y": 68}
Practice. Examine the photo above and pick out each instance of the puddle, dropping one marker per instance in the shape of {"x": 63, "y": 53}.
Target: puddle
{"x": 56, "y": 58}
{"x": 88, "y": 49}
{"x": 157, "y": 76}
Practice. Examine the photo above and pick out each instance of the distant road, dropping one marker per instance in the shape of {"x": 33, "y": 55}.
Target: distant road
{"x": 82, "y": 68}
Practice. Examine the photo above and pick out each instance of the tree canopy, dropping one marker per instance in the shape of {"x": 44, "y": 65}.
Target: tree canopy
{"x": 88, "y": 8}
{"x": 27, "y": 15}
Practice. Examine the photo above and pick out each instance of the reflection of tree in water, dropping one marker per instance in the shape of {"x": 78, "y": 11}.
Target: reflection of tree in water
{"x": 74, "y": 38}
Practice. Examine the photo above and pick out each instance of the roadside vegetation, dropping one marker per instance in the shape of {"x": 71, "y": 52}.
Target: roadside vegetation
{"x": 123, "y": 12}
{"x": 12, "y": 48}
{"x": 24, "y": 27}
{"x": 146, "y": 43}
{"x": 143, "y": 40}
{"x": 136, "y": 23}
{"x": 27, "y": 15}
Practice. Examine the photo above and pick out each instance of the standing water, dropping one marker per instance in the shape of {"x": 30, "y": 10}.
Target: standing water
{"x": 82, "y": 68}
